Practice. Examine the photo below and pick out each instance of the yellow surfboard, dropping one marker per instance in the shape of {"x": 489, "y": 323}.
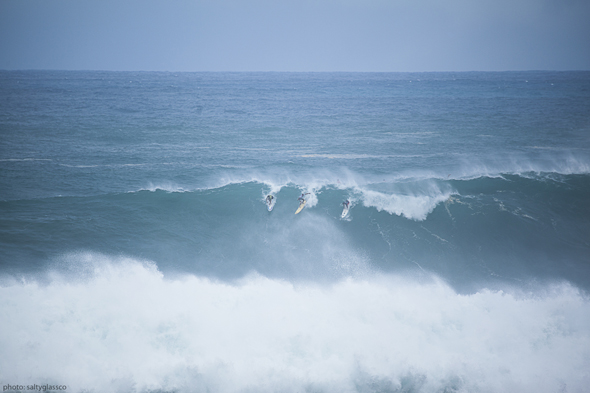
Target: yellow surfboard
{"x": 301, "y": 206}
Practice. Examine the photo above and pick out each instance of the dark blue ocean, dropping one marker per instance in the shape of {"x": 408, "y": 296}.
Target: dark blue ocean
{"x": 137, "y": 253}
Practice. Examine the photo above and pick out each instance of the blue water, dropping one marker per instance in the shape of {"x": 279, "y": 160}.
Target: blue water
{"x": 137, "y": 253}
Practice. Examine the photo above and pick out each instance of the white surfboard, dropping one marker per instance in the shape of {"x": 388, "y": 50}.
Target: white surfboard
{"x": 271, "y": 204}
{"x": 301, "y": 205}
{"x": 345, "y": 210}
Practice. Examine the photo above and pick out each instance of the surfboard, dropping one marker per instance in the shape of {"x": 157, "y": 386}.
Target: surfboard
{"x": 345, "y": 211}
{"x": 301, "y": 206}
{"x": 270, "y": 205}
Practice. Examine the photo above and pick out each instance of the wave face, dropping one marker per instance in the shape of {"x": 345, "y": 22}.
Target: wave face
{"x": 470, "y": 232}
{"x": 137, "y": 253}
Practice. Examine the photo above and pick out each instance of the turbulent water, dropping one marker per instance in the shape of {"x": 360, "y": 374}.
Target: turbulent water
{"x": 137, "y": 253}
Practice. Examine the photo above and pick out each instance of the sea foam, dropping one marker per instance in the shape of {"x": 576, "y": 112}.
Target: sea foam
{"x": 117, "y": 324}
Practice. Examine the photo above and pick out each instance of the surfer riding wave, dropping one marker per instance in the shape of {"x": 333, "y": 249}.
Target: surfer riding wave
{"x": 301, "y": 199}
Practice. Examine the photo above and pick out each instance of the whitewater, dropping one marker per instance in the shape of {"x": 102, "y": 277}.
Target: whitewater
{"x": 137, "y": 253}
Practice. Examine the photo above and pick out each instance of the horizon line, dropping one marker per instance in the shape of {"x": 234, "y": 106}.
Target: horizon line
{"x": 286, "y": 72}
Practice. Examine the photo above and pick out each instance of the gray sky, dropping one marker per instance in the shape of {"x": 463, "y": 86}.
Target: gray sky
{"x": 295, "y": 35}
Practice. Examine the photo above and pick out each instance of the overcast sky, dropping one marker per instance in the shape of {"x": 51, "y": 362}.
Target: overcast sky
{"x": 295, "y": 35}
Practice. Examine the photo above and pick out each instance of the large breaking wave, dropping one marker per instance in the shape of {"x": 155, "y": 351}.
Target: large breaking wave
{"x": 470, "y": 231}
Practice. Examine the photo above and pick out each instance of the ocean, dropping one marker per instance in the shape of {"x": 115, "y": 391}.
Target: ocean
{"x": 137, "y": 253}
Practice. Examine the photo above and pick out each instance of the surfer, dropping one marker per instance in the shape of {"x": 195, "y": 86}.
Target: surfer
{"x": 302, "y": 197}
{"x": 345, "y": 210}
{"x": 302, "y": 201}
{"x": 270, "y": 202}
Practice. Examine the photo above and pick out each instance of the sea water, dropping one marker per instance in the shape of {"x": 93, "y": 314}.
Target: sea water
{"x": 137, "y": 253}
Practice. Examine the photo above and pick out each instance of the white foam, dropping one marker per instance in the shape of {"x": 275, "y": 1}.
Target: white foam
{"x": 164, "y": 186}
{"x": 414, "y": 207}
{"x": 23, "y": 159}
{"x": 411, "y": 200}
{"x": 122, "y": 326}
{"x": 341, "y": 156}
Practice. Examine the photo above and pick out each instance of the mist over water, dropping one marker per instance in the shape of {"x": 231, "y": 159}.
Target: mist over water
{"x": 137, "y": 253}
